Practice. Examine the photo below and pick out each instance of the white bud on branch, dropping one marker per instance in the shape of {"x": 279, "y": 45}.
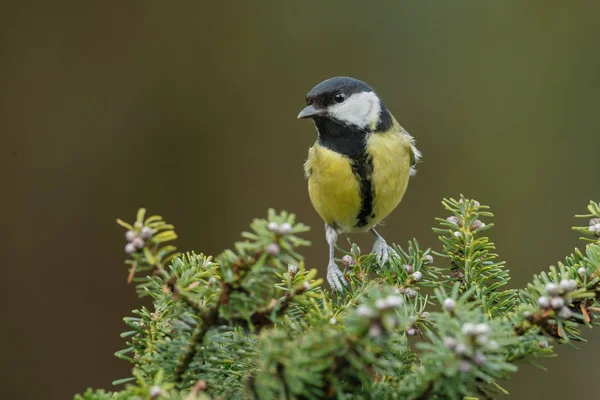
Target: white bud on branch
{"x": 285, "y": 228}
{"x": 348, "y": 260}
{"x": 147, "y": 232}
{"x": 366, "y": 311}
{"x": 130, "y": 235}
{"x": 272, "y": 249}
{"x": 449, "y": 305}
{"x": 557, "y": 302}
{"x": 544, "y": 302}
{"x": 552, "y": 289}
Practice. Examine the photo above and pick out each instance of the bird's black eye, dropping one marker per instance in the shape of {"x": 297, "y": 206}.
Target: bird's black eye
{"x": 339, "y": 97}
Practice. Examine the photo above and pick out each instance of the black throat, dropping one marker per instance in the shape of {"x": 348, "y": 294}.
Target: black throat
{"x": 351, "y": 142}
{"x": 347, "y": 140}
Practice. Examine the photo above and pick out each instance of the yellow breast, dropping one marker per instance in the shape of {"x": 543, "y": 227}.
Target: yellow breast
{"x": 391, "y": 155}
{"x": 334, "y": 189}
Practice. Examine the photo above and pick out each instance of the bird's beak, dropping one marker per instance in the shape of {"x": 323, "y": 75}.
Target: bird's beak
{"x": 310, "y": 112}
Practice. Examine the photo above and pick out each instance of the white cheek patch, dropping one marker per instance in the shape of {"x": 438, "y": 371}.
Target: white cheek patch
{"x": 361, "y": 109}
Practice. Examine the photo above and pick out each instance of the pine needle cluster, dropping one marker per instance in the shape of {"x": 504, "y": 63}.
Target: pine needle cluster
{"x": 256, "y": 323}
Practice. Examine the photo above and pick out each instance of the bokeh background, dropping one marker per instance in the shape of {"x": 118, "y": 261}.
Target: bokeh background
{"x": 189, "y": 109}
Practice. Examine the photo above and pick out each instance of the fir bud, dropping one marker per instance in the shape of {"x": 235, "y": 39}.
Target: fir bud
{"x": 543, "y": 302}
{"x": 409, "y": 268}
{"x": 453, "y": 220}
{"x": 428, "y": 259}
{"x": 461, "y": 349}
{"x": 332, "y": 321}
{"x": 450, "y": 342}
{"x": 380, "y": 304}
{"x": 389, "y": 302}
{"x": 410, "y": 292}
{"x": 568, "y": 285}
{"x": 272, "y": 249}
{"x": 481, "y": 329}
{"x": 552, "y": 289}
{"x": 425, "y": 315}
{"x": 469, "y": 329}
{"x": 542, "y": 344}
{"x": 292, "y": 270}
{"x": 394, "y": 301}
{"x": 479, "y": 358}
{"x": 597, "y": 226}
{"x": 154, "y": 392}
{"x": 273, "y": 226}
{"x": 412, "y": 331}
{"x": 449, "y": 305}
{"x": 365, "y": 311}
{"x": 572, "y": 284}
{"x": 592, "y": 228}
{"x": 565, "y": 313}
{"x": 130, "y": 248}
{"x": 138, "y": 225}
{"x": 582, "y": 272}
{"x": 457, "y": 234}
{"x": 594, "y": 221}
{"x": 212, "y": 281}
{"x": 476, "y": 225}
{"x": 417, "y": 275}
{"x": 130, "y": 235}
{"x": 348, "y": 260}
{"x": 476, "y": 204}
{"x": 375, "y": 330}
{"x": 285, "y": 228}
{"x": 464, "y": 366}
{"x": 138, "y": 243}
{"x": 147, "y": 232}
{"x": 557, "y": 302}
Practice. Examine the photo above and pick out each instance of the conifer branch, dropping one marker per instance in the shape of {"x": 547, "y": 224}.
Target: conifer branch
{"x": 256, "y": 323}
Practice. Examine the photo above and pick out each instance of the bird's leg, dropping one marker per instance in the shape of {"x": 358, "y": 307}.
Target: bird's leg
{"x": 381, "y": 248}
{"x": 335, "y": 277}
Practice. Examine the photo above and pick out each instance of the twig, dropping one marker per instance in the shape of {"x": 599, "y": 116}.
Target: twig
{"x": 192, "y": 348}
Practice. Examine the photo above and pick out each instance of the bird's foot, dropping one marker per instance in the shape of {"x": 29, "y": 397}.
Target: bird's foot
{"x": 335, "y": 277}
{"x": 383, "y": 251}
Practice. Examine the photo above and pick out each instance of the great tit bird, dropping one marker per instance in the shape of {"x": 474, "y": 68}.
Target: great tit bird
{"x": 358, "y": 169}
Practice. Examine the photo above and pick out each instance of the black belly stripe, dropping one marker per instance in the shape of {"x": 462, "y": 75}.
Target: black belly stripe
{"x": 363, "y": 169}
{"x": 351, "y": 142}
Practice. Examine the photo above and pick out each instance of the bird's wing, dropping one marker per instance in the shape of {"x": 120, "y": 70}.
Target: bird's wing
{"x": 415, "y": 154}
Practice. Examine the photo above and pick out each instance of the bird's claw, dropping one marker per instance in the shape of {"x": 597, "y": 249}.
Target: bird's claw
{"x": 383, "y": 251}
{"x": 335, "y": 277}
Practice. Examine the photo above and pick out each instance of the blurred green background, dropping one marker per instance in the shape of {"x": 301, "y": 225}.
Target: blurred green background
{"x": 189, "y": 109}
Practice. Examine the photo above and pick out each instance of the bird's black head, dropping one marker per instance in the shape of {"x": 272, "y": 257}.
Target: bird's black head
{"x": 345, "y": 110}
{"x": 346, "y": 101}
